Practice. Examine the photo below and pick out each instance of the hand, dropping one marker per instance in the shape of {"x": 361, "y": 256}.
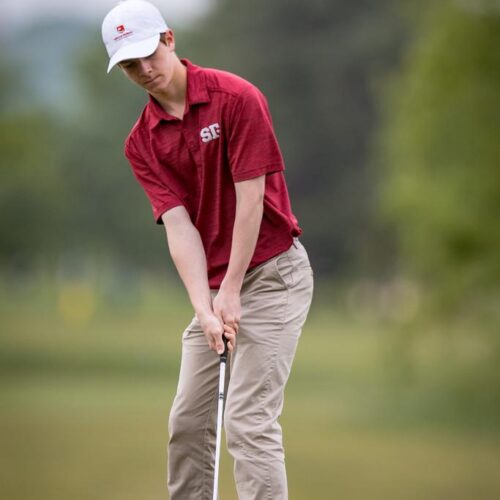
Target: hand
{"x": 213, "y": 330}
{"x": 227, "y": 307}
{"x": 230, "y": 335}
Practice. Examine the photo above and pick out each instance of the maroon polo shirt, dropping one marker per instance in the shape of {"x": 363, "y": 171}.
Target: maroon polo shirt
{"x": 226, "y": 136}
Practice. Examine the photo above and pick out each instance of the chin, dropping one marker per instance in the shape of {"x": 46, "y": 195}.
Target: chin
{"x": 158, "y": 84}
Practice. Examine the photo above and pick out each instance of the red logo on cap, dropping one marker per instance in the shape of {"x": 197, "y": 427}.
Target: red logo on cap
{"x": 120, "y": 28}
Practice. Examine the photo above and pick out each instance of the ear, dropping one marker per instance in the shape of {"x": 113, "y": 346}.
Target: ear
{"x": 168, "y": 39}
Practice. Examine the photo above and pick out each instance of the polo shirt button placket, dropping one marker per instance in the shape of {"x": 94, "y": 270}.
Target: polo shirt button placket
{"x": 187, "y": 138}
{"x": 192, "y": 145}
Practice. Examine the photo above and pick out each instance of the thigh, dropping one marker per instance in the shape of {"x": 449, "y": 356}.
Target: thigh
{"x": 275, "y": 302}
{"x": 198, "y": 377}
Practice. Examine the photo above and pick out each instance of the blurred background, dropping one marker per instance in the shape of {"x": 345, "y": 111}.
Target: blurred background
{"x": 388, "y": 116}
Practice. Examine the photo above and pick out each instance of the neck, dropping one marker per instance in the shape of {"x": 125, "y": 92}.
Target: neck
{"x": 173, "y": 97}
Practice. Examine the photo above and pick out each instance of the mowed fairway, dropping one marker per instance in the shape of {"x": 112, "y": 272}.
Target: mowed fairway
{"x": 85, "y": 399}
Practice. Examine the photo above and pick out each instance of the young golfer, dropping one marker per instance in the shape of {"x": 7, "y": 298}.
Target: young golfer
{"x": 205, "y": 152}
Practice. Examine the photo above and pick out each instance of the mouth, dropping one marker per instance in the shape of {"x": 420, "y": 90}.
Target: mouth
{"x": 147, "y": 82}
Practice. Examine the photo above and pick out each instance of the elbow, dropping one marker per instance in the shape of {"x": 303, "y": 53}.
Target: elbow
{"x": 252, "y": 204}
{"x": 251, "y": 193}
{"x": 259, "y": 198}
{"x": 252, "y": 199}
{"x": 257, "y": 201}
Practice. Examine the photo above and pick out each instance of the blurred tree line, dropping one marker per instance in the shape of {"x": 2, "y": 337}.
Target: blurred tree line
{"x": 316, "y": 61}
{"x": 428, "y": 154}
{"x": 438, "y": 160}
{"x": 440, "y": 155}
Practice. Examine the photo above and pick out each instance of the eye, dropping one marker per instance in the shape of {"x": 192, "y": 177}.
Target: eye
{"x": 127, "y": 64}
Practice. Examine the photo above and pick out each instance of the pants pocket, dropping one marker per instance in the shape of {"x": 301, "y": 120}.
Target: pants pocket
{"x": 284, "y": 270}
{"x": 291, "y": 266}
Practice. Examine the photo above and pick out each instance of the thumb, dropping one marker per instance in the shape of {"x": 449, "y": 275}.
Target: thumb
{"x": 219, "y": 344}
{"x": 220, "y": 347}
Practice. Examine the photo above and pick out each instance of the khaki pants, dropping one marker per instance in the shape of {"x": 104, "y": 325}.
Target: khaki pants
{"x": 275, "y": 300}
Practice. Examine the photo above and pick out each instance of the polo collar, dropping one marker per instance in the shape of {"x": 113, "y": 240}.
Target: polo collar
{"x": 197, "y": 93}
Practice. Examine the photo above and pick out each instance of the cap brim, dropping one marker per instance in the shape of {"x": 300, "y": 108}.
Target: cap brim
{"x": 144, "y": 48}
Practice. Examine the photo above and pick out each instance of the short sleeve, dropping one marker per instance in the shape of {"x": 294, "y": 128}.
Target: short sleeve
{"x": 253, "y": 149}
{"x": 160, "y": 196}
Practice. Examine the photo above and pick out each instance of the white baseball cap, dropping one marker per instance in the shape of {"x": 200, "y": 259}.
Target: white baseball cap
{"x": 132, "y": 30}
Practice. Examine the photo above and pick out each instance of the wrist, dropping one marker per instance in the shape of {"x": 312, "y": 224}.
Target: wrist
{"x": 231, "y": 285}
{"x": 203, "y": 314}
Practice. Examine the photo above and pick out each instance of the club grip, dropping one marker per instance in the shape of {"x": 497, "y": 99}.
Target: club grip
{"x": 223, "y": 356}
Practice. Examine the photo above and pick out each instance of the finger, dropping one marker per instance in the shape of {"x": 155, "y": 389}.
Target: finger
{"x": 212, "y": 347}
{"x": 232, "y": 323}
{"x": 231, "y": 340}
{"x": 211, "y": 343}
{"x": 230, "y": 334}
{"x": 230, "y": 329}
{"x": 219, "y": 344}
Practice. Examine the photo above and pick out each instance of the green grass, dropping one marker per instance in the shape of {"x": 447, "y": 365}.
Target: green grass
{"x": 84, "y": 406}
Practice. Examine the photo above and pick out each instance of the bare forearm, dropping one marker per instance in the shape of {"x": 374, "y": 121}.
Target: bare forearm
{"x": 188, "y": 254}
{"x": 247, "y": 223}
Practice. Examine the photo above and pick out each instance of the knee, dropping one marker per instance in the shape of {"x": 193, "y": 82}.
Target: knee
{"x": 236, "y": 437}
{"x": 252, "y": 435}
{"x": 243, "y": 433}
{"x": 232, "y": 430}
{"x": 182, "y": 426}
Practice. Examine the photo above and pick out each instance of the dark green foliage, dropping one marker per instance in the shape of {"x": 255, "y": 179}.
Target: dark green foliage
{"x": 32, "y": 194}
{"x": 441, "y": 187}
{"x": 113, "y": 214}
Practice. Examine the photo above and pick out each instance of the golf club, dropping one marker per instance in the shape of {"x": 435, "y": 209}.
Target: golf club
{"x": 220, "y": 410}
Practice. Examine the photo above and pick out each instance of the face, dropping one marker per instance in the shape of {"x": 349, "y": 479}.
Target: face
{"x": 153, "y": 73}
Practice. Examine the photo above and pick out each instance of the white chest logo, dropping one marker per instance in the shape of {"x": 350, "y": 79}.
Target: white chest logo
{"x": 210, "y": 133}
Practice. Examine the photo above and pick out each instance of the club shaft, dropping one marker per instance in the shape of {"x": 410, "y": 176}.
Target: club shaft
{"x": 220, "y": 410}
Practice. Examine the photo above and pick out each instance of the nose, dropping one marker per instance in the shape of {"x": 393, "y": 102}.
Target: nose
{"x": 144, "y": 66}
